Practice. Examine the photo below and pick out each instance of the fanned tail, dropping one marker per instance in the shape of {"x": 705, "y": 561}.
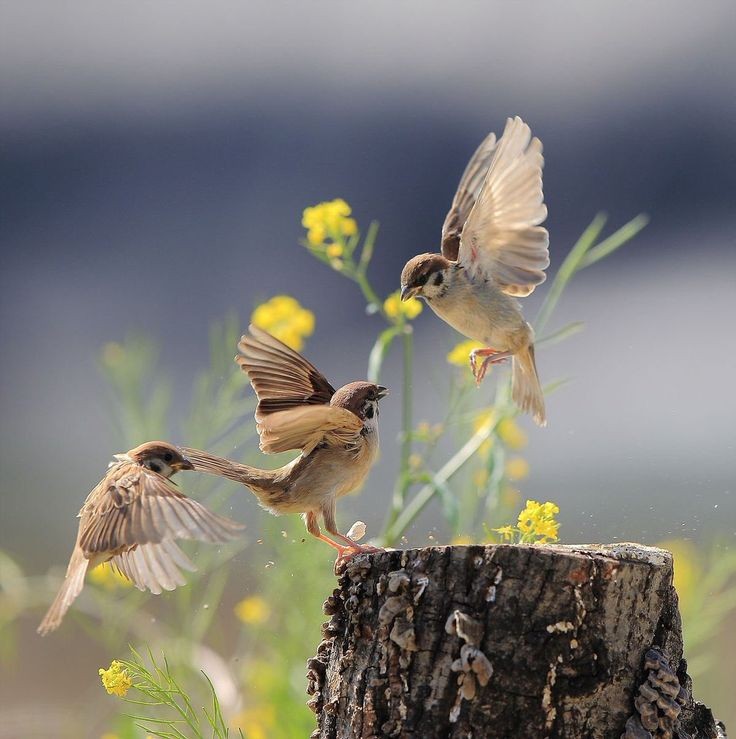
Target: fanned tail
{"x": 526, "y": 391}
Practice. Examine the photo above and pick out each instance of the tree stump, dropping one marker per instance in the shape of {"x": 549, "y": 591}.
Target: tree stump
{"x": 506, "y": 641}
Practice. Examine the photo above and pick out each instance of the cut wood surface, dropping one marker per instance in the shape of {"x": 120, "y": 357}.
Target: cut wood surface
{"x": 506, "y": 641}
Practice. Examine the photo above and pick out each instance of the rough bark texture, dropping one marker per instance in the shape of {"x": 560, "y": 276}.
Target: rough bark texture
{"x": 506, "y": 641}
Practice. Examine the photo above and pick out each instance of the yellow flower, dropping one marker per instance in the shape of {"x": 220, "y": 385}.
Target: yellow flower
{"x": 511, "y": 434}
{"x": 328, "y": 220}
{"x": 538, "y": 519}
{"x": 460, "y": 355}
{"x": 286, "y": 319}
{"x": 108, "y": 577}
{"x": 116, "y": 679}
{"x": 253, "y": 610}
{"x": 395, "y": 308}
{"x": 334, "y": 250}
{"x": 547, "y": 529}
{"x": 517, "y": 468}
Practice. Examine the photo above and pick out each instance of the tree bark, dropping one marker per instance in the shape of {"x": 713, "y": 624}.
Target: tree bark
{"x": 506, "y": 641}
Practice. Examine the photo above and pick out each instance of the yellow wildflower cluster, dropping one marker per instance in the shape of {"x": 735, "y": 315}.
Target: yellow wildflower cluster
{"x": 535, "y": 524}
{"x": 397, "y": 310}
{"x": 253, "y": 610}
{"x": 115, "y": 679}
{"x": 108, "y": 577}
{"x": 286, "y": 319}
{"x": 538, "y": 520}
{"x": 460, "y": 355}
{"x": 329, "y": 220}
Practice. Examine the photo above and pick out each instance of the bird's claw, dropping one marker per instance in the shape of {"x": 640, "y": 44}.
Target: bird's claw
{"x": 346, "y": 554}
{"x": 491, "y": 356}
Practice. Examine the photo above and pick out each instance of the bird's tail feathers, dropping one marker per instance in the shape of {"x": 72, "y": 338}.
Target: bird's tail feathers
{"x": 526, "y": 390}
{"x": 70, "y": 589}
{"x": 259, "y": 482}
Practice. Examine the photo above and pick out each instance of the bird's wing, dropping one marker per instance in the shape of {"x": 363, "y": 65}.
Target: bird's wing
{"x": 502, "y": 238}
{"x": 282, "y": 378}
{"x": 306, "y": 427}
{"x": 155, "y": 567}
{"x": 466, "y": 195}
{"x": 136, "y": 508}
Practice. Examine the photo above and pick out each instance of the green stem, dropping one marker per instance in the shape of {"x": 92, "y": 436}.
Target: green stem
{"x": 403, "y": 481}
{"x": 568, "y": 269}
{"x": 416, "y": 505}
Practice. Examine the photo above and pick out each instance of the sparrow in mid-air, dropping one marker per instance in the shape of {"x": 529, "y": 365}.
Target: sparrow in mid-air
{"x": 493, "y": 251}
{"x": 132, "y": 518}
{"x": 336, "y": 432}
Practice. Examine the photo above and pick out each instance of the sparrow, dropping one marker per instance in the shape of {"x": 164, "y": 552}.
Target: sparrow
{"x": 493, "y": 250}
{"x": 335, "y": 431}
{"x": 131, "y": 518}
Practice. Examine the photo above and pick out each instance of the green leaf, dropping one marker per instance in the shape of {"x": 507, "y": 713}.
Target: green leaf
{"x": 450, "y": 508}
{"x": 614, "y": 241}
{"x": 564, "y": 333}
{"x": 379, "y": 352}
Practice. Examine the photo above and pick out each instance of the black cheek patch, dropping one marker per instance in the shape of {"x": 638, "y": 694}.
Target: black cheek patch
{"x": 438, "y": 278}
{"x": 369, "y": 411}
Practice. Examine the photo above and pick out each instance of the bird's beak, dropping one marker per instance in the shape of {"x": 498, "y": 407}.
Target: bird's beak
{"x": 407, "y": 292}
{"x": 382, "y": 392}
{"x": 186, "y": 464}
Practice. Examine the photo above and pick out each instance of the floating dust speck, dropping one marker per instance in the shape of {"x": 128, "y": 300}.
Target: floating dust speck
{"x": 259, "y": 541}
{"x": 284, "y": 534}
{"x": 270, "y": 564}
{"x": 205, "y": 606}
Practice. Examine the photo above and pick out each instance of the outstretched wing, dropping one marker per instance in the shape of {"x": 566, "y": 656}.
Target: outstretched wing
{"x": 466, "y": 195}
{"x": 136, "y": 517}
{"x": 502, "y": 238}
{"x": 308, "y": 426}
{"x": 282, "y": 378}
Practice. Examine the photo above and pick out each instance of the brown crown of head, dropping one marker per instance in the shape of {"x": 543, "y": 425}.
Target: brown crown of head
{"x": 355, "y": 395}
{"x": 162, "y": 450}
{"x": 418, "y": 270}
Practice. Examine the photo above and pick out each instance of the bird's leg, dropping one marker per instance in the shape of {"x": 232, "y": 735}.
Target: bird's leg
{"x": 328, "y": 514}
{"x": 491, "y": 356}
{"x": 310, "y": 519}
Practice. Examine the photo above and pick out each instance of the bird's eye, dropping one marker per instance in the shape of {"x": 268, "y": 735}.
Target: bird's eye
{"x": 168, "y": 457}
{"x": 422, "y": 279}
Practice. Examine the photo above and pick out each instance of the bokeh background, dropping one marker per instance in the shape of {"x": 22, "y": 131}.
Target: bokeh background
{"x": 154, "y": 163}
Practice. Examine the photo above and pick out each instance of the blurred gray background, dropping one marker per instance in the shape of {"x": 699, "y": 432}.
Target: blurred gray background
{"x": 155, "y": 160}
